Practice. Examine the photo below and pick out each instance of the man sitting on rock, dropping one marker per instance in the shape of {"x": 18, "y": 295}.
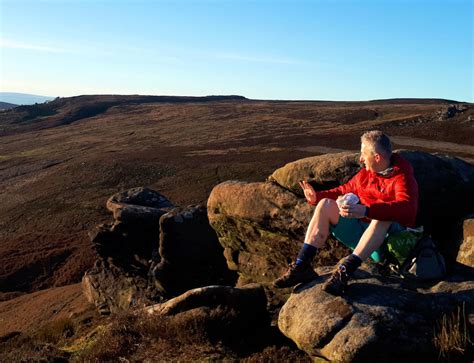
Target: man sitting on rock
{"x": 387, "y": 193}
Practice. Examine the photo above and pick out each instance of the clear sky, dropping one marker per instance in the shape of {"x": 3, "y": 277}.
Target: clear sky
{"x": 313, "y": 50}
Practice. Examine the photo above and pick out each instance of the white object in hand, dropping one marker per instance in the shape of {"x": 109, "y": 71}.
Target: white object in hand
{"x": 346, "y": 199}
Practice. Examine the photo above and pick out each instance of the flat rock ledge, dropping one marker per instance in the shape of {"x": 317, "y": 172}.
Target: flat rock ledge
{"x": 379, "y": 319}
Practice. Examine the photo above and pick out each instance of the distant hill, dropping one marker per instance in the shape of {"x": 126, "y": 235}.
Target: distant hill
{"x": 23, "y": 98}
{"x": 6, "y": 105}
{"x": 65, "y": 110}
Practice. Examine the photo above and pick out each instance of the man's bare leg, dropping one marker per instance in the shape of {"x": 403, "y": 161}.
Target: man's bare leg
{"x": 372, "y": 238}
{"x": 326, "y": 212}
{"x": 318, "y": 231}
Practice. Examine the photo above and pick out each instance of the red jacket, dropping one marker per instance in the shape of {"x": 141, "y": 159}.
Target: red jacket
{"x": 389, "y": 198}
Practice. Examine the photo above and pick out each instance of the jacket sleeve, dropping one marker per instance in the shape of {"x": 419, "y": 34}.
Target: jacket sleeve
{"x": 405, "y": 206}
{"x": 340, "y": 190}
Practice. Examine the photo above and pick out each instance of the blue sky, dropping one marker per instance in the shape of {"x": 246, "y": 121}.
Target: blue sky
{"x": 312, "y": 50}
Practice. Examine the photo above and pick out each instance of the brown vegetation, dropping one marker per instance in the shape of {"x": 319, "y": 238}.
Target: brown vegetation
{"x": 54, "y": 331}
{"x": 199, "y": 334}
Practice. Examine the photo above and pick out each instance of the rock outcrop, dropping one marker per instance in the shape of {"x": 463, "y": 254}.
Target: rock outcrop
{"x": 379, "y": 319}
{"x": 152, "y": 250}
{"x": 119, "y": 277}
{"x": 138, "y": 204}
{"x": 190, "y": 253}
{"x": 323, "y": 171}
{"x": 234, "y": 317}
{"x": 260, "y": 226}
{"x": 450, "y": 111}
{"x": 466, "y": 250}
{"x": 249, "y": 299}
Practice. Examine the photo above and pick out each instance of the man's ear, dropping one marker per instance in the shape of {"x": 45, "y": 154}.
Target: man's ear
{"x": 377, "y": 157}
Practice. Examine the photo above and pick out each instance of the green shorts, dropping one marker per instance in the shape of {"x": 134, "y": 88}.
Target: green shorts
{"x": 349, "y": 231}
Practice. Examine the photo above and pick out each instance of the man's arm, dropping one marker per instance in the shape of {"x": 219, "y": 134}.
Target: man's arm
{"x": 331, "y": 193}
{"x": 405, "y": 206}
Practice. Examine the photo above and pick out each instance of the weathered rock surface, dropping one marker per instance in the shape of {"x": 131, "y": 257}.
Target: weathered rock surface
{"x": 152, "y": 250}
{"x": 190, "y": 253}
{"x": 260, "y": 226}
{"x": 138, "y": 197}
{"x": 138, "y": 205}
{"x": 377, "y": 320}
{"x": 466, "y": 250}
{"x": 234, "y": 316}
{"x": 250, "y": 298}
{"x": 111, "y": 288}
{"x": 323, "y": 171}
{"x": 135, "y": 229}
{"x": 119, "y": 278}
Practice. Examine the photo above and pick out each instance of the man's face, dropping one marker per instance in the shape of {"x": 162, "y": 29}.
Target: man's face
{"x": 367, "y": 158}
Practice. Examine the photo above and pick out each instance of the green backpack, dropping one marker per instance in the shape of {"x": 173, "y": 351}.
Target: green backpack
{"x": 415, "y": 256}
{"x": 400, "y": 245}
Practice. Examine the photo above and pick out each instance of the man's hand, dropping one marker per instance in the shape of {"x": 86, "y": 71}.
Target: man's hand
{"x": 309, "y": 192}
{"x": 353, "y": 210}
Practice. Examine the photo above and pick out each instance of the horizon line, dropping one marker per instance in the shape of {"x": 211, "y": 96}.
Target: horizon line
{"x": 237, "y": 95}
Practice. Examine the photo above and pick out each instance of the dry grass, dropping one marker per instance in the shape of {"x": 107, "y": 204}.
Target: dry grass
{"x": 26, "y": 348}
{"x": 56, "y": 330}
{"x": 197, "y": 335}
{"x": 37, "y": 346}
{"x": 452, "y": 335}
{"x": 141, "y": 335}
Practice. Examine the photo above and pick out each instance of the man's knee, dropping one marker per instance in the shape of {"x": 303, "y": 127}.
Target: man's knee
{"x": 326, "y": 205}
{"x": 326, "y": 202}
{"x": 328, "y": 209}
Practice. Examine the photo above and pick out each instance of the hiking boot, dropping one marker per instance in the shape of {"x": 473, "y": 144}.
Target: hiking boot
{"x": 337, "y": 282}
{"x": 295, "y": 275}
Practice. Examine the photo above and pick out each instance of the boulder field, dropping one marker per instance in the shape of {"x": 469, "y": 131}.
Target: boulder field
{"x": 155, "y": 254}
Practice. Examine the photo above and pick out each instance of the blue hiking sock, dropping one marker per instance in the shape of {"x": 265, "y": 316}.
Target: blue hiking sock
{"x": 306, "y": 254}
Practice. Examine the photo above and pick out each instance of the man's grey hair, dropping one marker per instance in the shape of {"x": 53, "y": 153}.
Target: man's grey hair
{"x": 377, "y": 142}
